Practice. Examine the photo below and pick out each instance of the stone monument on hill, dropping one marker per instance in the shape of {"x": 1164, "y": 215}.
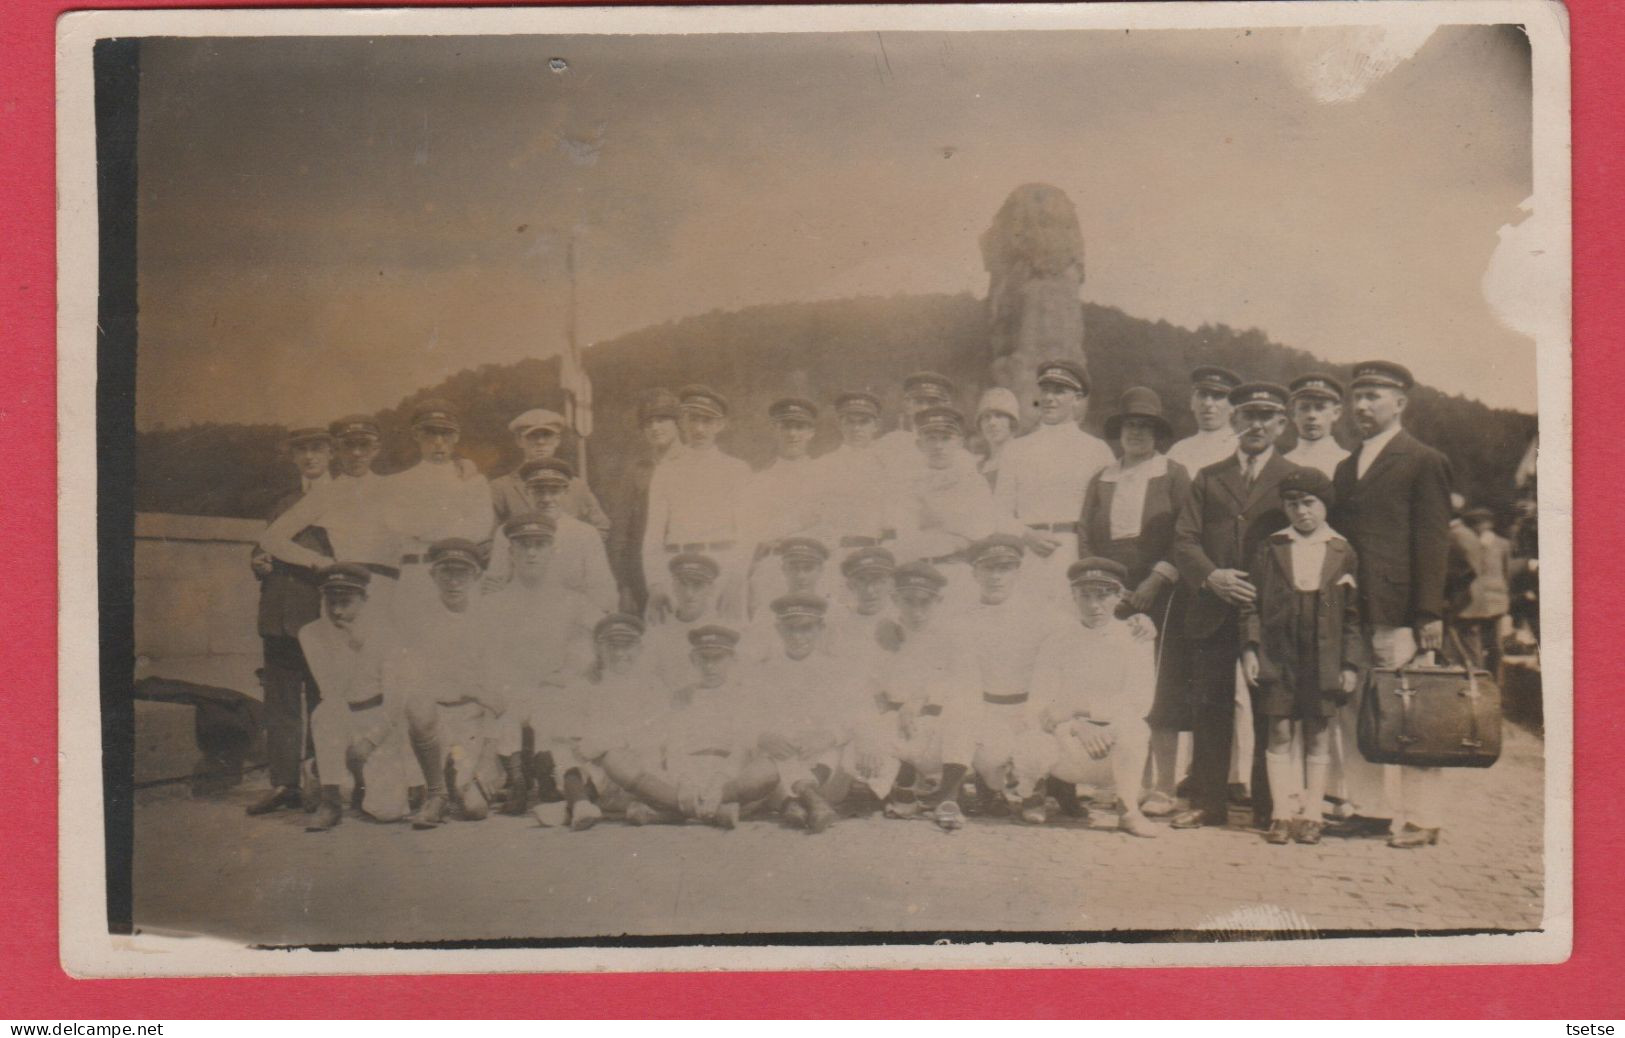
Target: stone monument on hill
{"x": 1033, "y": 254}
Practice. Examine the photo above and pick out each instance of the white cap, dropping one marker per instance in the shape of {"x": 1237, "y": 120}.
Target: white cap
{"x": 1000, "y": 400}
{"x": 536, "y": 418}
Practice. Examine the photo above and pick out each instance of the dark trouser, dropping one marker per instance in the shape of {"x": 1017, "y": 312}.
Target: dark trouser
{"x": 1212, "y": 670}
{"x": 287, "y": 682}
{"x": 1481, "y": 639}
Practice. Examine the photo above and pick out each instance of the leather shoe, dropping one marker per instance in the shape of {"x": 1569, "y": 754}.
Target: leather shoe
{"x": 948, "y": 816}
{"x": 1308, "y": 830}
{"x": 584, "y": 814}
{"x": 1195, "y": 818}
{"x": 280, "y": 797}
{"x": 1413, "y": 836}
{"x": 1279, "y": 833}
{"x": 432, "y": 813}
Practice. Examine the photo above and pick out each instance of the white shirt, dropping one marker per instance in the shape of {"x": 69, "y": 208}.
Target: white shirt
{"x": 353, "y": 511}
{"x": 580, "y": 563}
{"x": 431, "y": 502}
{"x": 1043, "y": 475}
{"x": 537, "y": 635}
{"x": 807, "y": 700}
{"x": 858, "y": 497}
{"x": 1203, "y": 449}
{"x": 694, "y": 497}
{"x": 781, "y": 500}
{"x": 347, "y": 664}
{"x": 900, "y": 452}
{"x": 1101, "y": 673}
{"x": 1309, "y": 555}
{"x": 1004, "y": 640}
{"x": 931, "y": 667}
{"x": 306, "y": 483}
{"x": 1128, "y": 499}
{"x": 1371, "y": 447}
{"x": 946, "y": 511}
{"x": 1323, "y": 454}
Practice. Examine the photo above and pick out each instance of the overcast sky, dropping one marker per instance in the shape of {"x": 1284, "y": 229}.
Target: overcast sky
{"x": 327, "y": 225}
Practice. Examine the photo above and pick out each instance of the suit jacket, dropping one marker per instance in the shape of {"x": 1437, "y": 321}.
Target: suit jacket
{"x": 1221, "y": 527}
{"x": 1488, "y": 596}
{"x": 1164, "y": 499}
{"x": 1270, "y": 622}
{"x": 289, "y": 598}
{"x": 1398, "y": 519}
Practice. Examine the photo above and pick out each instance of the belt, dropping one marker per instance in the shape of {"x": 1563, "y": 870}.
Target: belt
{"x": 1054, "y": 527}
{"x": 392, "y": 572}
{"x": 367, "y": 704}
{"x": 928, "y": 710}
{"x": 701, "y": 546}
{"x": 857, "y": 541}
{"x": 1010, "y": 700}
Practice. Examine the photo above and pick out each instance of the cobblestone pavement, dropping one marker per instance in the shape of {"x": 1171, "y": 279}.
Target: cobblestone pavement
{"x": 202, "y": 866}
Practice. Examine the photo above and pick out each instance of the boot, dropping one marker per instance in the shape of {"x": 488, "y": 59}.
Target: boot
{"x": 1066, "y": 798}
{"x": 276, "y": 799}
{"x": 820, "y": 815}
{"x": 518, "y": 801}
{"x": 328, "y": 813}
{"x": 1032, "y": 810}
{"x": 432, "y": 813}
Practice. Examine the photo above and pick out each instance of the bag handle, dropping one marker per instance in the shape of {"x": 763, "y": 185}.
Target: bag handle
{"x": 1406, "y": 694}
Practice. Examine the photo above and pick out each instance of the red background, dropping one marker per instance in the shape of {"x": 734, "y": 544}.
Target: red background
{"x": 34, "y": 986}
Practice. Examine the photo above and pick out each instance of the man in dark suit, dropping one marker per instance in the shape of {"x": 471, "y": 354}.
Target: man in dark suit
{"x": 289, "y": 599}
{"x": 1233, "y": 506}
{"x": 1393, "y": 504}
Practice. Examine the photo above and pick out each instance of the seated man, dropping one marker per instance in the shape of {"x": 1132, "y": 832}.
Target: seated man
{"x": 929, "y": 679}
{"x": 801, "y": 563}
{"x": 696, "y": 759}
{"x": 356, "y": 727}
{"x": 1093, "y": 684}
{"x": 693, "y": 601}
{"x": 860, "y": 620}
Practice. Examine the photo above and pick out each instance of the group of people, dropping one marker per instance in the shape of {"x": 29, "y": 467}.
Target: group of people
{"x": 896, "y": 619}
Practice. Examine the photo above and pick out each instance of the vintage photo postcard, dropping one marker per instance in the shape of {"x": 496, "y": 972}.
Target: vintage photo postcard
{"x": 815, "y": 487}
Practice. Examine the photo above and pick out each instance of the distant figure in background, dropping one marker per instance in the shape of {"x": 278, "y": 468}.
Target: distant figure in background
{"x": 539, "y": 433}
{"x": 1479, "y": 622}
{"x": 657, "y": 424}
{"x": 290, "y": 599}
{"x": 997, "y": 416}
{"x": 1210, "y": 403}
{"x": 1317, "y": 407}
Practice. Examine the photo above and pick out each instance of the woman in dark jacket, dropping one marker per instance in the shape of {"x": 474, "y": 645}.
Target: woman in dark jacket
{"x": 1128, "y": 516}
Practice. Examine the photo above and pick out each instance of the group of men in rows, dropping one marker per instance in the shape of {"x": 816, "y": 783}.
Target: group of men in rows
{"x": 882, "y": 616}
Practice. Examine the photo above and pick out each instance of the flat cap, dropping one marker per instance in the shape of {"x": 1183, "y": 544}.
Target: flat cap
{"x": 858, "y": 402}
{"x": 713, "y": 639}
{"x": 355, "y": 425}
{"x": 547, "y": 472}
{"x": 1305, "y": 480}
{"x": 1317, "y": 385}
{"x": 657, "y": 403}
{"x": 1383, "y": 373}
{"x": 1098, "y": 571}
{"x": 945, "y": 419}
{"x": 456, "y": 549}
{"x": 793, "y": 409}
{"x": 997, "y": 546}
{"x": 799, "y": 604}
{"x": 1064, "y": 372}
{"x": 702, "y": 400}
{"x": 1214, "y": 379}
{"x": 870, "y": 559}
{"x": 618, "y": 627}
{"x": 530, "y": 526}
{"x": 693, "y": 564}
{"x": 929, "y": 383}
{"x": 435, "y": 413}
{"x": 919, "y": 576}
{"x": 342, "y": 576}
{"x": 808, "y": 548}
{"x": 308, "y": 434}
{"x": 536, "y": 418}
{"x": 1259, "y": 395}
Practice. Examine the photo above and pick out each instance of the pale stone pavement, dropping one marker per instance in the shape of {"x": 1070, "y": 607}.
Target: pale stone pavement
{"x": 202, "y": 866}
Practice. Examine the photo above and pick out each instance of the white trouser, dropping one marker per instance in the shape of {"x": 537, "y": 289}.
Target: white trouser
{"x": 1128, "y": 754}
{"x": 1242, "y": 741}
{"x": 920, "y": 748}
{"x": 1402, "y": 793}
{"x": 335, "y": 729}
{"x": 1005, "y": 746}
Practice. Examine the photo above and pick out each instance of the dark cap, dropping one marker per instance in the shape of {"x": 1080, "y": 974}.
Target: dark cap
{"x": 947, "y": 419}
{"x": 793, "y": 409}
{"x": 657, "y": 403}
{"x": 435, "y": 414}
{"x": 456, "y": 549}
{"x": 1214, "y": 379}
{"x": 929, "y": 383}
{"x": 1066, "y": 373}
{"x": 713, "y": 639}
{"x": 919, "y": 576}
{"x": 618, "y": 627}
{"x": 308, "y": 434}
{"x": 530, "y": 526}
{"x": 1138, "y": 402}
{"x": 1317, "y": 385}
{"x": 871, "y": 559}
{"x": 799, "y": 604}
{"x": 355, "y": 425}
{"x": 1305, "y": 480}
{"x": 997, "y": 546}
{"x": 703, "y": 400}
{"x": 858, "y": 402}
{"x": 1383, "y": 373}
{"x": 1096, "y": 570}
{"x": 1259, "y": 395}
{"x": 344, "y": 576}
{"x": 547, "y": 472}
{"x": 693, "y": 564}
{"x": 806, "y": 548}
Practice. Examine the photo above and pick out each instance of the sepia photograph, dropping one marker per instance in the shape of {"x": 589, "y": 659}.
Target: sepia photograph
{"x": 815, "y": 487}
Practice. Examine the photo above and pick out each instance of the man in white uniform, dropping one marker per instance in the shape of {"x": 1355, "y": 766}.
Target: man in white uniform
{"x": 1215, "y": 440}
{"x": 441, "y": 497}
{"x": 922, "y": 390}
{"x": 860, "y": 621}
{"x": 1043, "y": 476}
{"x": 694, "y": 501}
{"x": 1317, "y": 406}
{"x": 667, "y": 653}
{"x": 948, "y": 506}
{"x": 1093, "y": 683}
{"x": 358, "y": 727}
{"x": 580, "y": 561}
{"x": 859, "y": 502}
{"x": 781, "y": 500}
